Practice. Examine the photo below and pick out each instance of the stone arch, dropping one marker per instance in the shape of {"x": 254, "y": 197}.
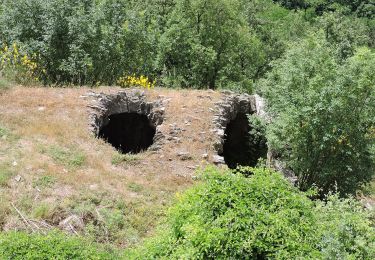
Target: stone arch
{"x": 127, "y": 120}
{"x": 232, "y": 130}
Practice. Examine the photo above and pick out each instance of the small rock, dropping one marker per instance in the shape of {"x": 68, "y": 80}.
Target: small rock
{"x": 216, "y": 159}
{"x": 205, "y": 156}
{"x": 184, "y": 156}
{"x": 41, "y": 108}
{"x": 72, "y": 223}
{"x": 18, "y": 178}
{"x": 191, "y": 167}
{"x": 93, "y": 186}
{"x": 14, "y": 163}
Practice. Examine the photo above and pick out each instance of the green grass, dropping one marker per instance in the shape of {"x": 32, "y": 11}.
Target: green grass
{"x": 4, "y": 84}
{"x": 7, "y": 134}
{"x": 44, "y": 211}
{"x": 118, "y": 158}
{"x": 45, "y": 181}
{"x": 69, "y": 157}
{"x": 5, "y": 175}
{"x": 54, "y": 245}
{"x": 135, "y": 187}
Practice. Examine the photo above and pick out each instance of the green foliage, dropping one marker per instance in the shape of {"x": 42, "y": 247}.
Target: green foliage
{"x": 344, "y": 33}
{"x": 229, "y": 216}
{"x": 324, "y": 115}
{"x": 179, "y": 43}
{"x": 79, "y": 41}
{"x": 200, "y": 48}
{"x": 257, "y": 132}
{"x": 54, "y": 245}
{"x": 275, "y": 26}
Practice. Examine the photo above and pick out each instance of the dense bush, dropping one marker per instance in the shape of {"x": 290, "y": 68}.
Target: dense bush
{"x": 183, "y": 43}
{"x": 229, "y": 216}
{"x": 55, "y": 245}
{"x": 79, "y": 41}
{"x": 324, "y": 114}
{"x": 203, "y": 49}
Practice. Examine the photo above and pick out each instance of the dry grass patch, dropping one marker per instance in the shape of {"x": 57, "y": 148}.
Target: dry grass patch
{"x": 66, "y": 171}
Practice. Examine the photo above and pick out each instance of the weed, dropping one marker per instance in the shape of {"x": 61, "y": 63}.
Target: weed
{"x": 72, "y": 157}
{"x": 5, "y": 175}
{"x": 45, "y": 181}
{"x": 25, "y": 202}
{"x": 44, "y": 211}
{"x": 4, "y": 84}
{"x": 4, "y": 210}
{"x": 135, "y": 187}
{"x": 6, "y": 134}
{"x": 118, "y": 158}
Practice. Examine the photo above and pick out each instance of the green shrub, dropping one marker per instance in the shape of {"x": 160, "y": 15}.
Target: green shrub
{"x": 79, "y": 41}
{"x": 323, "y": 115}
{"x": 55, "y": 245}
{"x": 229, "y": 216}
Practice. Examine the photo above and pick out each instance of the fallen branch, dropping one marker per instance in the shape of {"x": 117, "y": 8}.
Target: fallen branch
{"x": 23, "y": 218}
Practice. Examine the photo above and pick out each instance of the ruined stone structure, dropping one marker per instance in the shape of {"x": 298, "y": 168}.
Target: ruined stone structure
{"x": 227, "y": 110}
{"x": 129, "y": 104}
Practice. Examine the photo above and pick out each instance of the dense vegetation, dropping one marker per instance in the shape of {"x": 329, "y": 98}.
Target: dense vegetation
{"x": 55, "y": 245}
{"x": 229, "y": 216}
{"x": 184, "y": 43}
{"x": 324, "y": 123}
{"x": 313, "y": 61}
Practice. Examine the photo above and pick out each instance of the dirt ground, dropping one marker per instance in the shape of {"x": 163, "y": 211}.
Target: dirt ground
{"x": 53, "y": 167}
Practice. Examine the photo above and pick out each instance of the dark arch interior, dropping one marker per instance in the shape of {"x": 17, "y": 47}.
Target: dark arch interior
{"x": 240, "y": 147}
{"x": 128, "y": 132}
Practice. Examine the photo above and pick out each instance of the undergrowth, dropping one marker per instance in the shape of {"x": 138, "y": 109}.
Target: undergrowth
{"x": 54, "y": 245}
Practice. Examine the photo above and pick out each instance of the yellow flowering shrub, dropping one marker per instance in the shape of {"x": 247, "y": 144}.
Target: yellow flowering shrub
{"x": 133, "y": 81}
{"x": 21, "y": 66}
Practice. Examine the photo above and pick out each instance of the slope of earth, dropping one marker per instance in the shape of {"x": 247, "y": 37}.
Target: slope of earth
{"x": 55, "y": 173}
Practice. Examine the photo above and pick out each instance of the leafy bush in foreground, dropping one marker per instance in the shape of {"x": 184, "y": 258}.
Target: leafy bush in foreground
{"x": 229, "y": 216}
{"x": 55, "y": 245}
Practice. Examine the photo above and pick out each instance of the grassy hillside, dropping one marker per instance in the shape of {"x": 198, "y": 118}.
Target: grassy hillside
{"x": 52, "y": 167}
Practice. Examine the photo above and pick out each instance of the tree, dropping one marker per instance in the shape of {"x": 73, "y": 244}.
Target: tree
{"x": 324, "y": 115}
{"x": 207, "y": 42}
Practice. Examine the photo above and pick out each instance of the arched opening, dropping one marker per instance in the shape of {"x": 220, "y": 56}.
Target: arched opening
{"x": 241, "y": 148}
{"x": 128, "y": 132}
